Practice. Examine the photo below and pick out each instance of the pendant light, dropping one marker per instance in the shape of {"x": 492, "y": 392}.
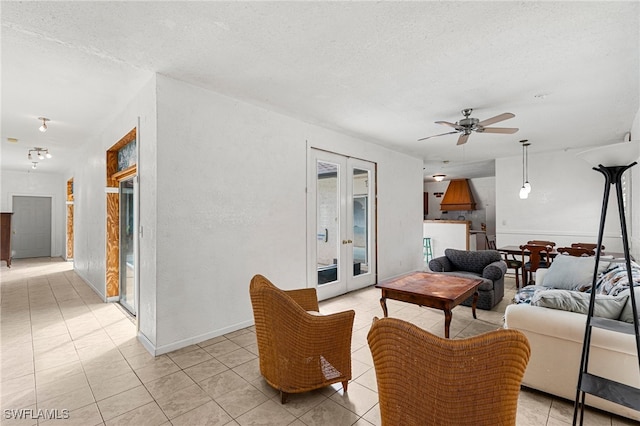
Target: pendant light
{"x": 524, "y": 194}
{"x": 527, "y": 185}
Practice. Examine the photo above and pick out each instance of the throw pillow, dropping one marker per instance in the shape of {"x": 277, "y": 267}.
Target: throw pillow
{"x": 576, "y": 301}
{"x": 571, "y": 272}
{"x": 627, "y": 313}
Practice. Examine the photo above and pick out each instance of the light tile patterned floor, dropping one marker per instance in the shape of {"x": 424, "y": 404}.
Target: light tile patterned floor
{"x": 64, "y": 349}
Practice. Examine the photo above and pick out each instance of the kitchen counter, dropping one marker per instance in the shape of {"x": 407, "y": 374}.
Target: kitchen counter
{"x": 446, "y": 234}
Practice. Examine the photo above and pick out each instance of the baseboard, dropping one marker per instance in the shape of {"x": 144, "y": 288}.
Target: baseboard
{"x": 197, "y": 339}
{"x": 147, "y": 344}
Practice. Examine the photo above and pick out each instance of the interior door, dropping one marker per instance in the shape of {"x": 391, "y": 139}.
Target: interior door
{"x": 341, "y": 217}
{"x": 31, "y": 224}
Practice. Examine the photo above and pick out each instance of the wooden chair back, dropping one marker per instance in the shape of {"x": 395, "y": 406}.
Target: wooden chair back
{"x": 491, "y": 242}
{"x": 591, "y": 246}
{"x": 576, "y": 251}
{"x": 542, "y": 243}
{"x": 427, "y": 380}
{"x": 538, "y": 258}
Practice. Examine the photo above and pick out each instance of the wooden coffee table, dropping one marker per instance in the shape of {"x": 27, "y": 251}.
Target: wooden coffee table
{"x": 438, "y": 291}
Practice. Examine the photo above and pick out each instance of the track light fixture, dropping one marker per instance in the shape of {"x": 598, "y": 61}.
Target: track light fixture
{"x": 43, "y": 127}
{"x": 41, "y": 153}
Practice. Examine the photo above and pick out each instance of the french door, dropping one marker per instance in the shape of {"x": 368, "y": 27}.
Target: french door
{"x": 341, "y": 217}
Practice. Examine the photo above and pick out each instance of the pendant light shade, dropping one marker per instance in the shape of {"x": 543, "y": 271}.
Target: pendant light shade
{"x": 524, "y": 194}
{"x": 526, "y": 186}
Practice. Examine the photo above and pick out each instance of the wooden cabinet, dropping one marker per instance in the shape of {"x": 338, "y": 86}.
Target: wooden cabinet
{"x": 5, "y": 238}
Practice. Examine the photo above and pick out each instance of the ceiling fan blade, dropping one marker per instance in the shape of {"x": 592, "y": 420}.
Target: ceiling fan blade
{"x": 501, "y": 117}
{"x": 463, "y": 139}
{"x": 454, "y": 125}
{"x": 506, "y": 130}
{"x": 441, "y": 134}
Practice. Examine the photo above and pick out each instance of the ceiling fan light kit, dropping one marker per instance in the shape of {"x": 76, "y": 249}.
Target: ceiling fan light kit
{"x": 469, "y": 124}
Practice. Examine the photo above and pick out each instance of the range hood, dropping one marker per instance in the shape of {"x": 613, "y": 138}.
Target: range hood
{"x": 458, "y": 196}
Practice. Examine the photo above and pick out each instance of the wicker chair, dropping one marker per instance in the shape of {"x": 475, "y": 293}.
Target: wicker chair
{"x": 427, "y": 380}
{"x": 299, "y": 351}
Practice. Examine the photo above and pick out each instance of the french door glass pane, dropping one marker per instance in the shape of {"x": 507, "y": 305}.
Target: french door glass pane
{"x": 328, "y": 218}
{"x": 127, "y": 263}
{"x": 360, "y": 221}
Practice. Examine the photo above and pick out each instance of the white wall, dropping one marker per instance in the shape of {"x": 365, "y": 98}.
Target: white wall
{"x": 564, "y": 204}
{"x": 35, "y": 183}
{"x": 231, "y": 203}
{"x": 89, "y": 179}
{"x": 634, "y": 221}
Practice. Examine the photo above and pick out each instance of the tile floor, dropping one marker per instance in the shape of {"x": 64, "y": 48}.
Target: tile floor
{"x": 65, "y": 351}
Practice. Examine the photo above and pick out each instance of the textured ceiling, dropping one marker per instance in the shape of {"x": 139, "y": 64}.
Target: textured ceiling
{"x": 380, "y": 71}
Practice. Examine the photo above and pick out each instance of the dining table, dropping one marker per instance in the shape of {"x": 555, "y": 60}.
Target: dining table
{"x": 516, "y": 250}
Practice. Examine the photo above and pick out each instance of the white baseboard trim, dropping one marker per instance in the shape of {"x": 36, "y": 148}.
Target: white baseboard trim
{"x": 113, "y": 299}
{"x": 147, "y": 344}
{"x": 87, "y": 282}
{"x": 201, "y": 338}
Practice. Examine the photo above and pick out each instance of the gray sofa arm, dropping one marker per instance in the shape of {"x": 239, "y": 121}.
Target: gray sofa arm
{"x": 440, "y": 264}
{"x": 494, "y": 271}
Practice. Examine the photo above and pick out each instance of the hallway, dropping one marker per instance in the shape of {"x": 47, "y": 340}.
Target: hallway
{"x": 65, "y": 351}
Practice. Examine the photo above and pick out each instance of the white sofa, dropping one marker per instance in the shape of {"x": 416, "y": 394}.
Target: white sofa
{"x": 556, "y": 338}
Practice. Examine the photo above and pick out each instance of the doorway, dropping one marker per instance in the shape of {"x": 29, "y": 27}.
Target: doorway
{"x": 31, "y": 227}
{"x": 342, "y": 217}
{"x": 127, "y": 227}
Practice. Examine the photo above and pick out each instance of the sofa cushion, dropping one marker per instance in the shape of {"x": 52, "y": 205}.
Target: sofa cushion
{"x": 575, "y": 301}
{"x": 473, "y": 261}
{"x": 571, "y": 272}
{"x": 486, "y": 285}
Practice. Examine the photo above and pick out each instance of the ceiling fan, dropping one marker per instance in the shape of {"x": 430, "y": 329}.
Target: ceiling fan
{"x": 469, "y": 124}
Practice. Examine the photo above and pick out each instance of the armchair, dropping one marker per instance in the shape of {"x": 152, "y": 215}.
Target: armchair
{"x": 485, "y": 264}
{"x": 299, "y": 351}
{"x": 426, "y": 380}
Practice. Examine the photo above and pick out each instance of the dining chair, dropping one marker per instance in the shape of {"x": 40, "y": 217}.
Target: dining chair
{"x": 426, "y": 380}
{"x": 542, "y": 243}
{"x": 512, "y": 263}
{"x": 591, "y": 246}
{"x": 299, "y": 350}
{"x": 576, "y": 251}
{"x": 538, "y": 258}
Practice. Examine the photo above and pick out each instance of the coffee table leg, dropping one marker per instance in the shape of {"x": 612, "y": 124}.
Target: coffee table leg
{"x": 447, "y": 322}
{"x": 474, "y": 303}
{"x": 383, "y": 303}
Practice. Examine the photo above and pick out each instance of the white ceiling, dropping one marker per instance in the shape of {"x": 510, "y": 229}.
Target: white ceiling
{"x": 381, "y": 71}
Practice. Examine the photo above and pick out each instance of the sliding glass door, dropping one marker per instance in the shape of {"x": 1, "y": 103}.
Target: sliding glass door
{"x": 127, "y": 245}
